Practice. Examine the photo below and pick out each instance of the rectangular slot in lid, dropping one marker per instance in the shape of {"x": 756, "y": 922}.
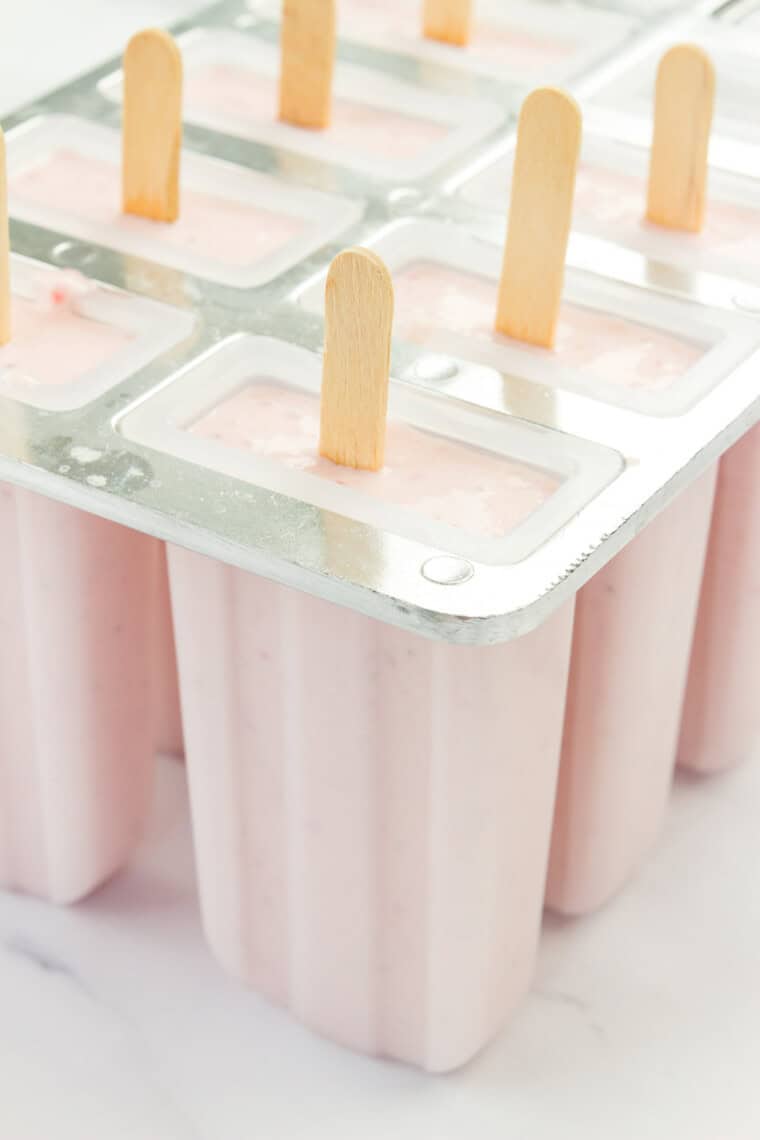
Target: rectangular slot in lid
{"x": 621, "y": 345}
{"x": 610, "y": 202}
{"x": 62, "y": 357}
{"x": 236, "y": 226}
{"x": 381, "y": 126}
{"x": 461, "y": 480}
{"x": 519, "y": 42}
{"x": 737, "y": 61}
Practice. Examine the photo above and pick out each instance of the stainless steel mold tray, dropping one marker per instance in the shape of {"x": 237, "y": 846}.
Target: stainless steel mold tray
{"x": 209, "y": 322}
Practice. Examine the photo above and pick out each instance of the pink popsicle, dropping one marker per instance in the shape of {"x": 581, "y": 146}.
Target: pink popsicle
{"x": 721, "y": 723}
{"x": 630, "y": 660}
{"x": 85, "y": 624}
{"x": 77, "y": 741}
{"x": 634, "y": 621}
{"x": 371, "y": 809}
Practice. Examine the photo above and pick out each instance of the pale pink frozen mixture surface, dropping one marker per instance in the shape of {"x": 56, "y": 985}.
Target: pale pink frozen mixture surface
{"x": 432, "y": 298}
{"x": 491, "y": 39}
{"x": 57, "y": 346}
{"x": 224, "y": 229}
{"x": 243, "y": 94}
{"x": 464, "y": 487}
{"x": 612, "y": 197}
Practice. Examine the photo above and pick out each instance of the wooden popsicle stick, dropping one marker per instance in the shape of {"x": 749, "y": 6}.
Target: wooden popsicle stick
{"x": 307, "y": 62}
{"x": 358, "y": 325}
{"x": 684, "y": 100}
{"x": 543, "y": 186}
{"x": 152, "y": 126}
{"x": 5, "y": 251}
{"x": 448, "y": 20}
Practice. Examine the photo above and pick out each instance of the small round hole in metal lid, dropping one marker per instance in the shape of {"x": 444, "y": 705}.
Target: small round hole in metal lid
{"x": 446, "y": 570}
{"x": 431, "y": 369}
{"x": 73, "y": 254}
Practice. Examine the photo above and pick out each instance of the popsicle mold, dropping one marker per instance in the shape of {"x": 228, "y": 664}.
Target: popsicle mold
{"x": 630, "y": 661}
{"x": 77, "y": 741}
{"x": 371, "y": 810}
{"x": 721, "y": 721}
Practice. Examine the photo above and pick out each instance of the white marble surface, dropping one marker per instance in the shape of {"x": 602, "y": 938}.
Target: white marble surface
{"x": 116, "y": 1024}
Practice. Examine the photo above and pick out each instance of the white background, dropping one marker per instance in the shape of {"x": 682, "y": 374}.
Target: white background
{"x": 115, "y": 1023}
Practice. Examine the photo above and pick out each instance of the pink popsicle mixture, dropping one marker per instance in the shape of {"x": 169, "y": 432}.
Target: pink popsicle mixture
{"x": 610, "y": 197}
{"x": 384, "y": 881}
{"x": 76, "y": 749}
{"x": 57, "y": 346}
{"x": 431, "y": 298}
{"x": 464, "y": 487}
{"x": 226, "y": 230}
{"x": 510, "y": 45}
{"x": 718, "y": 732}
{"x": 53, "y": 344}
{"x": 230, "y": 90}
{"x": 631, "y": 641}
